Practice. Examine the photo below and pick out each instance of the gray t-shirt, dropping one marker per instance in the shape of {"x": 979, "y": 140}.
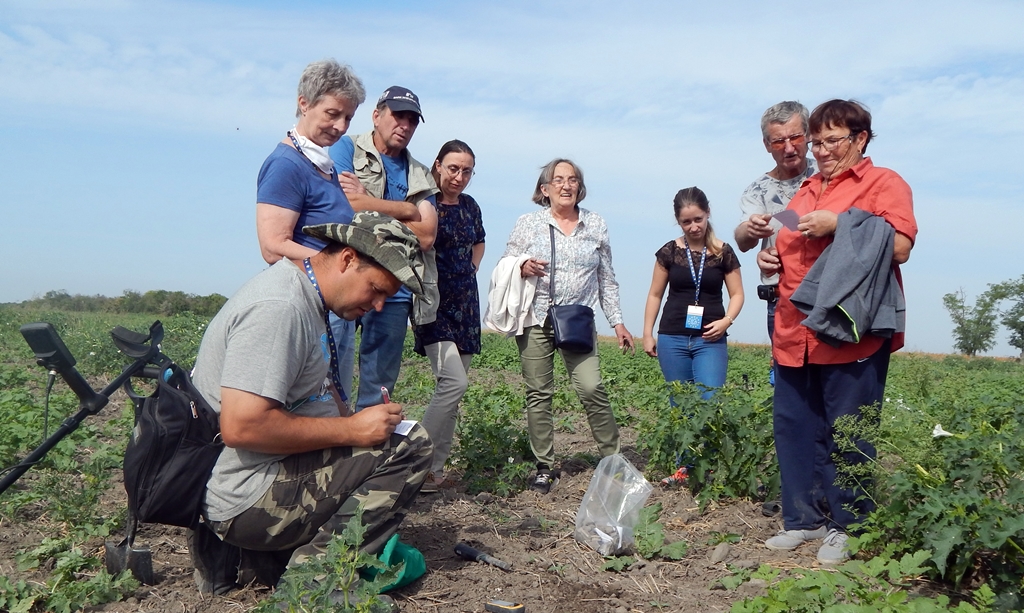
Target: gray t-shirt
{"x": 768, "y": 196}
{"x": 269, "y": 340}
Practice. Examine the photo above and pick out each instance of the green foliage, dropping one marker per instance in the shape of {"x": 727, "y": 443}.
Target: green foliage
{"x": 875, "y": 586}
{"x": 1013, "y": 317}
{"x": 740, "y": 576}
{"x": 650, "y": 536}
{"x": 618, "y": 563}
{"x": 963, "y": 500}
{"x": 493, "y": 449}
{"x": 957, "y": 497}
{"x": 716, "y": 538}
{"x": 649, "y": 542}
{"x": 497, "y": 352}
{"x": 727, "y": 439}
{"x": 157, "y": 302}
{"x": 76, "y": 581}
{"x": 332, "y": 582}
{"x": 974, "y": 327}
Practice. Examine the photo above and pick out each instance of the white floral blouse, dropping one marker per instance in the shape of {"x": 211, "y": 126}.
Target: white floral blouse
{"x": 583, "y": 267}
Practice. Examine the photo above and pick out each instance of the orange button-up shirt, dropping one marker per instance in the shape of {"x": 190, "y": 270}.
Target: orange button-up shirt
{"x": 878, "y": 191}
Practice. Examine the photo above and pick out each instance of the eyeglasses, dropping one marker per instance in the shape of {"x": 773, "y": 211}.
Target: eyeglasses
{"x": 780, "y": 143}
{"x": 559, "y": 182}
{"x": 455, "y": 171}
{"x": 830, "y": 144}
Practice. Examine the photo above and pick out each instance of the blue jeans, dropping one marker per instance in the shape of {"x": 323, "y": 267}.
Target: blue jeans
{"x": 344, "y": 332}
{"x": 691, "y": 359}
{"x": 380, "y": 351}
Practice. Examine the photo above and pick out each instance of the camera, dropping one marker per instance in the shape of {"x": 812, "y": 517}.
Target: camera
{"x": 769, "y": 293}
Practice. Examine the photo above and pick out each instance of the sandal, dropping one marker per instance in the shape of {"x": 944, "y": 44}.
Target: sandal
{"x": 432, "y": 485}
{"x": 677, "y": 479}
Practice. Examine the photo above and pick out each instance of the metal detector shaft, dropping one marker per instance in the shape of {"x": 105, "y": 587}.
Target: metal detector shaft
{"x": 91, "y": 403}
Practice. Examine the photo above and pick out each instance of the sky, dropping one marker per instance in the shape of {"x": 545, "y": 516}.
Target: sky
{"x": 131, "y": 133}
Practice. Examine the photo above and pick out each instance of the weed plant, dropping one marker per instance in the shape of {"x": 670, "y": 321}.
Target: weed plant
{"x": 726, "y": 439}
{"x": 493, "y": 448}
{"x": 332, "y": 582}
{"x": 649, "y": 542}
{"x": 76, "y": 581}
{"x": 876, "y": 586}
{"x": 962, "y": 499}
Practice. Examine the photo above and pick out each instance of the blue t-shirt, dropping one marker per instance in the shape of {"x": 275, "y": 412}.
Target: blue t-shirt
{"x": 396, "y": 169}
{"x": 396, "y": 172}
{"x": 287, "y": 179}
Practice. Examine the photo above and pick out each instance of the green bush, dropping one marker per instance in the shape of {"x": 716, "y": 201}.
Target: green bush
{"x": 727, "y": 439}
{"x": 493, "y": 449}
{"x": 960, "y": 497}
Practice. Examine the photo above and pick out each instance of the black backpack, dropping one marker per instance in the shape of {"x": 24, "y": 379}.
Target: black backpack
{"x": 173, "y": 448}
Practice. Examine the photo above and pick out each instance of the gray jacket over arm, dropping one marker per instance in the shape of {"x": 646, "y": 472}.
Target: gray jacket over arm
{"x": 852, "y": 288}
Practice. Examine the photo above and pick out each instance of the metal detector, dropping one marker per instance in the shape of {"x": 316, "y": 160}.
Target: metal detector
{"x": 52, "y": 354}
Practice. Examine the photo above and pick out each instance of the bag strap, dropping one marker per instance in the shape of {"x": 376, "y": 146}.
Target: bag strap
{"x": 551, "y": 282}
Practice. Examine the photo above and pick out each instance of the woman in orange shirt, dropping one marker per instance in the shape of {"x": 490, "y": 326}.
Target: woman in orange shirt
{"x": 816, "y": 381}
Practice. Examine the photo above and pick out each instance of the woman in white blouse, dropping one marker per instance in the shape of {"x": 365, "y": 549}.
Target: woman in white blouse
{"x": 583, "y": 275}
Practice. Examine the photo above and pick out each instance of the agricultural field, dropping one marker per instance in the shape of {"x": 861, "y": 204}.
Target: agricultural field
{"x": 948, "y": 534}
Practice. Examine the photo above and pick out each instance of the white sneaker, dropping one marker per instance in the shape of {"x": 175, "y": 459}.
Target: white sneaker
{"x": 788, "y": 540}
{"x": 833, "y": 550}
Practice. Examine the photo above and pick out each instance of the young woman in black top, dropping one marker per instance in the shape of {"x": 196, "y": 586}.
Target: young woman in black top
{"x": 691, "y": 345}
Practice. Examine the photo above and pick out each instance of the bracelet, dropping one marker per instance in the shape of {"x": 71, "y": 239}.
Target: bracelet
{"x": 731, "y": 320}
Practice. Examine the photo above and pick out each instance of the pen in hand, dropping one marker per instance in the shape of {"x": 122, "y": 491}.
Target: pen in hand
{"x": 387, "y": 399}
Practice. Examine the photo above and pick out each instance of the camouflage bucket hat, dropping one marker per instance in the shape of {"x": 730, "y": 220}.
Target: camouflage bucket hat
{"x": 385, "y": 239}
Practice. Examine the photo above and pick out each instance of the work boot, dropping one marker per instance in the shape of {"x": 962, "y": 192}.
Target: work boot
{"x": 216, "y": 562}
{"x": 262, "y": 567}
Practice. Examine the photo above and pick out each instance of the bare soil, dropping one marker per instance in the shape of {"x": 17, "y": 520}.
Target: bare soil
{"x": 551, "y": 572}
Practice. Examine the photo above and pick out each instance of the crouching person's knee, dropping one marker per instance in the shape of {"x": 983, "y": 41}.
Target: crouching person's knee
{"x": 416, "y": 449}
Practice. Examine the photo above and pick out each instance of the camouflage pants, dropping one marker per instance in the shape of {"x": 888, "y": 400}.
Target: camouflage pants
{"x": 317, "y": 493}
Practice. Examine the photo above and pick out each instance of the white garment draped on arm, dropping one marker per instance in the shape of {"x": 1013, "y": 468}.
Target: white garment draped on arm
{"x": 510, "y": 297}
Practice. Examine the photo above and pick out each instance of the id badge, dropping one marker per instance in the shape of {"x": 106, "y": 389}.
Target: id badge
{"x": 694, "y": 317}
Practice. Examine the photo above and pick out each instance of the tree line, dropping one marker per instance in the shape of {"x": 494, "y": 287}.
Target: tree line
{"x": 157, "y": 302}
{"x": 975, "y": 326}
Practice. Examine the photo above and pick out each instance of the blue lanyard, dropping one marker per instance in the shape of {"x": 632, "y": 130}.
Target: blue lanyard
{"x": 335, "y": 369}
{"x": 317, "y": 168}
{"x": 697, "y": 276}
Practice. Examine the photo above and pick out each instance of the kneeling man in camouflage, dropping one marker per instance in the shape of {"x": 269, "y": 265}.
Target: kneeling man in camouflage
{"x": 297, "y": 464}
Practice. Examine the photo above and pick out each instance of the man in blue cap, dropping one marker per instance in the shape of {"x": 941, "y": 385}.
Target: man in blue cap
{"x": 377, "y": 173}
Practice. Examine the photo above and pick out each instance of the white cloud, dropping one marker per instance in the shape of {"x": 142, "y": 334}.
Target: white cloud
{"x": 648, "y": 98}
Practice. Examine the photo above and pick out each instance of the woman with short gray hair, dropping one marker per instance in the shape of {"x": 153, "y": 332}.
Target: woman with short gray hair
{"x": 298, "y": 186}
{"x": 583, "y": 276}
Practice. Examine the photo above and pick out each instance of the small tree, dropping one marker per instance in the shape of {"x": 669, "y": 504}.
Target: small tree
{"x": 974, "y": 327}
{"x": 1013, "y": 317}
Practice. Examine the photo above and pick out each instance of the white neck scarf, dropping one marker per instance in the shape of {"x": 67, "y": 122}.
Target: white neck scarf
{"x": 313, "y": 152}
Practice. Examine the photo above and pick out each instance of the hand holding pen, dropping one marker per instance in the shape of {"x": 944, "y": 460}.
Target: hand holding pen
{"x": 387, "y": 399}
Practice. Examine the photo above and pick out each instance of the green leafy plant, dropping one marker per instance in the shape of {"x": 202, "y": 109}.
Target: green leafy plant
{"x": 332, "y": 582}
{"x": 727, "y": 439}
{"x": 650, "y": 536}
{"x": 740, "y": 576}
{"x": 963, "y": 501}
{"x": 878, "y": 585}
{"x": 649, "y": 542}
{"x": 493, "y": 447}
{"x": 716, "y": 538}
{"x": 75, "y": 582}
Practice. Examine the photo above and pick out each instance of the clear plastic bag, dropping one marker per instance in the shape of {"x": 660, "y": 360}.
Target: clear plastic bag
{"x": 611, "y": 506}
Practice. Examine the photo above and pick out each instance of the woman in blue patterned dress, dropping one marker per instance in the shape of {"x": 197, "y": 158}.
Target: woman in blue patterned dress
{"x": 452, "y": 339}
